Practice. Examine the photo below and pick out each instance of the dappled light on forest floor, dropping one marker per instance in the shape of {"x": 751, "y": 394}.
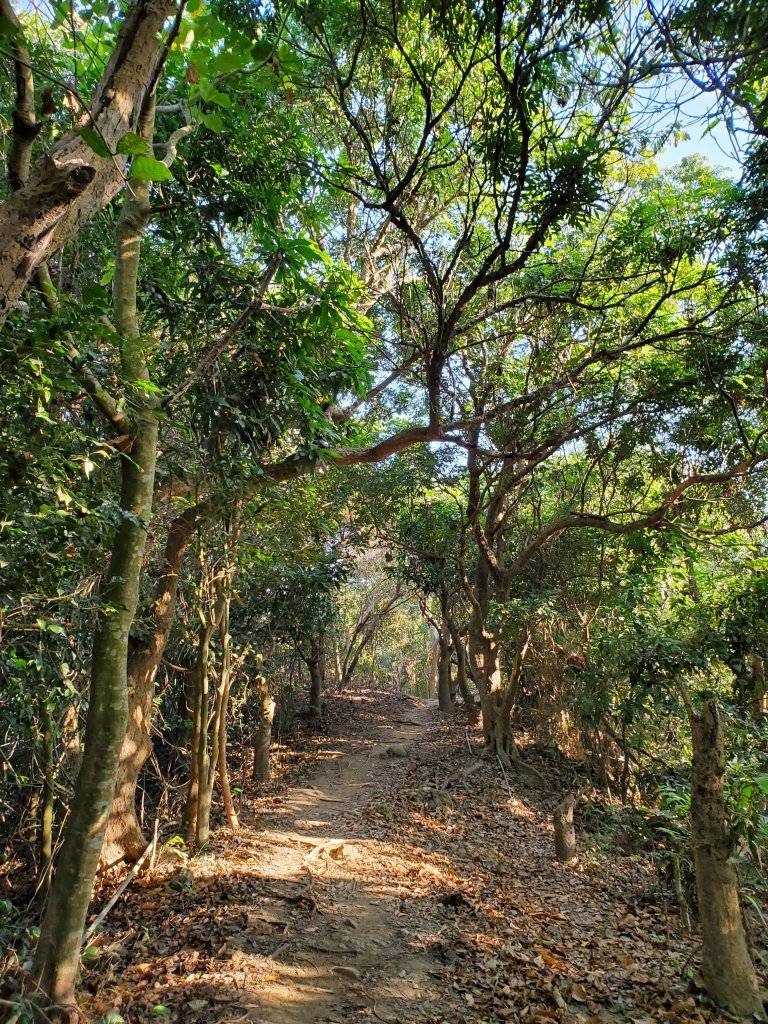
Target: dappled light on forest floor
{"x": 408, "y": 888}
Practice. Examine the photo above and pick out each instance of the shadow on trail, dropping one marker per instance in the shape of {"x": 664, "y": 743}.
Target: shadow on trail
{"x": 403, "y": 889}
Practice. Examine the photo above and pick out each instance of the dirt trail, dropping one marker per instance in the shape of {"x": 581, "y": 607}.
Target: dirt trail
{"x": 412, "y": 889}
{"x": 355, "y": 955}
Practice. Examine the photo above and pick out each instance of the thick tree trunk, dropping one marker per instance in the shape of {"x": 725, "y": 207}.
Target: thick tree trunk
{"x": 58, "y": 950}
{"x": 70, "y": 183}
{"x": 727, "y": 968}
{"x": 124, "y": 838}
{"x": 495, "y": 699}
{"x": 262, "y": 737}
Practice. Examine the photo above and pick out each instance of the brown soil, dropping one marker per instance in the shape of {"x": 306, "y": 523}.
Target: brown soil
{"x": 416, "y": 887}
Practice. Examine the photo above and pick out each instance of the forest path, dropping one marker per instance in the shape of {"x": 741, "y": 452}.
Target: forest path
{"x": 412, "y": 889}
{"x": 354, "y": 958}
{"x": 311, "y": 912}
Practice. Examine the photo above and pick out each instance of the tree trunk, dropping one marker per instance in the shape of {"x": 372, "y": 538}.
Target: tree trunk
{"x": 70, "y": 183}
{"x": 189, "y": 815}
{"x": 727, "y": 968}
{"x": 58, "y": 950}
{"x": 565, "y": 833}
{"x": 434, "y": 662}
{"x": 46, "y": 814}
{"x": 225, "y": 686}
{"x": 262, "y": 737}
{"x": 495, "y": 701}
{"x": 124, "y": 839}
{"x": 57, "y": 956}
{"x": 462, "y": 676}
{"x": 314, "y": 664}
{"x": 444, "y": 695}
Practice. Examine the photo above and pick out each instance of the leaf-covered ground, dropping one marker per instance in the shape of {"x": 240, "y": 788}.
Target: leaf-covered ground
{"x": 400, "y": 881}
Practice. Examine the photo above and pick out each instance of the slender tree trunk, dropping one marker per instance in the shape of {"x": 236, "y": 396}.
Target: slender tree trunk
{"x": 337, "y": 669}
{"x": 197, "y": 812}
{"x": 124, "y": 838}
{"x": 262, "y": 737}
{"x": 462, "y": 676}
{"x": 444, "y": 695}
{"x": 225, "y": 685}
{"x": 314, "y": 663}
{"x": 434, "y": 663}
{"x": 727, "y": 967}
{"x": 58, "y": 950}
{"x": 46, "y": 815}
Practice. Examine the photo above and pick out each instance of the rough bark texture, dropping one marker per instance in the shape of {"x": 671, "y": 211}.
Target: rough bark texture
{"x": 565, "y": 833}
{"x": 495, "y": 698}
{"x": 70, "y": 183}
{"x": 197, "y": 813}
{"x": 727, "y": 968}
{"x": 58, "y": 951}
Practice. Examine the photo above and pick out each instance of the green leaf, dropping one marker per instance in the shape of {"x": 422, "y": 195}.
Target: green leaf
{"x": 262, "y": 50}
{"x": 212, "y": 121}
{"x": 146, "y": 168}
{"x": 132, "y": 144}
{"x": 228, "y": 61}
{"x": 221, "y": 99}
{"x": 95, "y": 141}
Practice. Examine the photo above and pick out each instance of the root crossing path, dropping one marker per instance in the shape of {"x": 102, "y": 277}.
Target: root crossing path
{"x": 402, "y": 880}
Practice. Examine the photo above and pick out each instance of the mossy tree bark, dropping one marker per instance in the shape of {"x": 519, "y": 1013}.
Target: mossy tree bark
{"x": 727, "y": 968}
{"x": 56, "y": 960}
{"x": 46, "y": 815}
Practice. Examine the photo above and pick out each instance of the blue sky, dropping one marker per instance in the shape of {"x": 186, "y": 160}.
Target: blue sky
{"x": 695, "y": 114}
